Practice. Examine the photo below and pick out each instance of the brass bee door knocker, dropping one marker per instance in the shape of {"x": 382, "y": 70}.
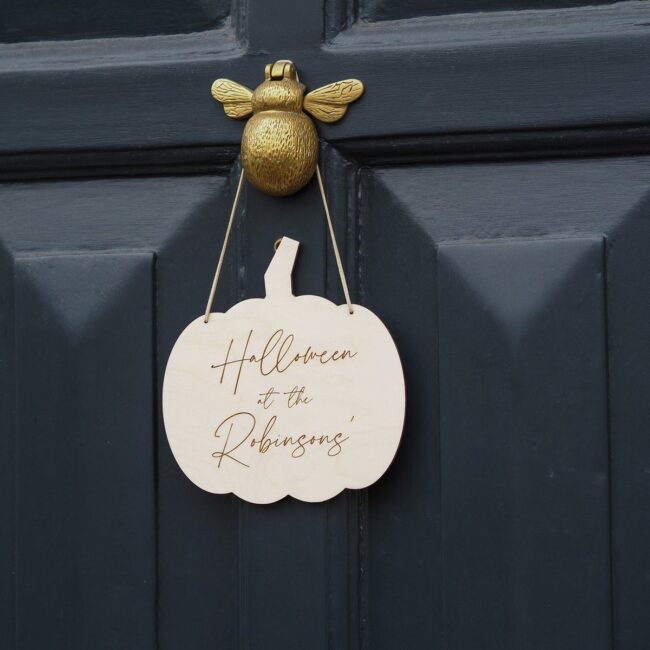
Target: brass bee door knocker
{"x": 279, "y": 147}
{"x": 285, "y": 395}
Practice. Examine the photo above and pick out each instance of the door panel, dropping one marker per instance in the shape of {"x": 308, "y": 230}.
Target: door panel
{"x": 514, "y": 443}
{"x": 87, "y": 497}
{"x": 522, "y": 339}
{"x": 34, "y": 20}
{"x": 376, "y": 10}
{"x": 84, "y": 478}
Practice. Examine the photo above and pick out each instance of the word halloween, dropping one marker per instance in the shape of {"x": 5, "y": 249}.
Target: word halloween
{"x": 277, "y": 356}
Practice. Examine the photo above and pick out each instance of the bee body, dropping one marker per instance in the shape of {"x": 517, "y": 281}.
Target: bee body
{"x": 279, "y": 151}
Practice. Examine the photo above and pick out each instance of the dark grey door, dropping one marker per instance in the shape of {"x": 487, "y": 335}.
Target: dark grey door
{"x": 491, "y": 192}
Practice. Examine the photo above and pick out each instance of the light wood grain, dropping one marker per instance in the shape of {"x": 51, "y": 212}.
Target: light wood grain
{"x": 284, "y": 395}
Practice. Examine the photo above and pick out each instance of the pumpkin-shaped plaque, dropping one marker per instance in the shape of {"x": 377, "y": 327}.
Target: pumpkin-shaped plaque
{"x": 285, "y": 395}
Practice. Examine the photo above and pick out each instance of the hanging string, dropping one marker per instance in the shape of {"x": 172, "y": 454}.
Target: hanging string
{"x": 217, "y": 273}
{"x": 330, "y": 227}
{"x": 334, "y": 244}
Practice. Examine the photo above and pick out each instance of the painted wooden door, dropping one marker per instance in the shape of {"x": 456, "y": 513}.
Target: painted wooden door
{"x": 491, "y": 192}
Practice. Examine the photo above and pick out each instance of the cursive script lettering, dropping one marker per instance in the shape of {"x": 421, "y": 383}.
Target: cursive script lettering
{"x": 238, "y": 431}
{"x": 277, "y": 356}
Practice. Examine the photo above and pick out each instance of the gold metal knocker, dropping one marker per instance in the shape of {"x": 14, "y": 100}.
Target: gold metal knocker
{"x": 279, "y": 147}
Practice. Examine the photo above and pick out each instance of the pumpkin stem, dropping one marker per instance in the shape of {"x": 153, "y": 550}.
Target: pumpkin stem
{"x": 277, "y": 278}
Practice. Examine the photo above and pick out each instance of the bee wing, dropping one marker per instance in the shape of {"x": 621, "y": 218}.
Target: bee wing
{"x": 237, "y": 100}
{"x": 329, "y": 103}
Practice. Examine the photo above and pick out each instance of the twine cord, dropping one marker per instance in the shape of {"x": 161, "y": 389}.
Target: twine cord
{"x": 231, "y": 219}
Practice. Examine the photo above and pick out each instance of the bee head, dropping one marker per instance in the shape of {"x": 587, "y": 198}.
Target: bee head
{"x": 281, "y": 90}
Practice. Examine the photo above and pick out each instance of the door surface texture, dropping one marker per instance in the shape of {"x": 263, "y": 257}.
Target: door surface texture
{"x": 490, "y": 193}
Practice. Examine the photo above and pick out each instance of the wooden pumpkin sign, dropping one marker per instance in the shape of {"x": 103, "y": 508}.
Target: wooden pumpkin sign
{"x": 285, "y": 395}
